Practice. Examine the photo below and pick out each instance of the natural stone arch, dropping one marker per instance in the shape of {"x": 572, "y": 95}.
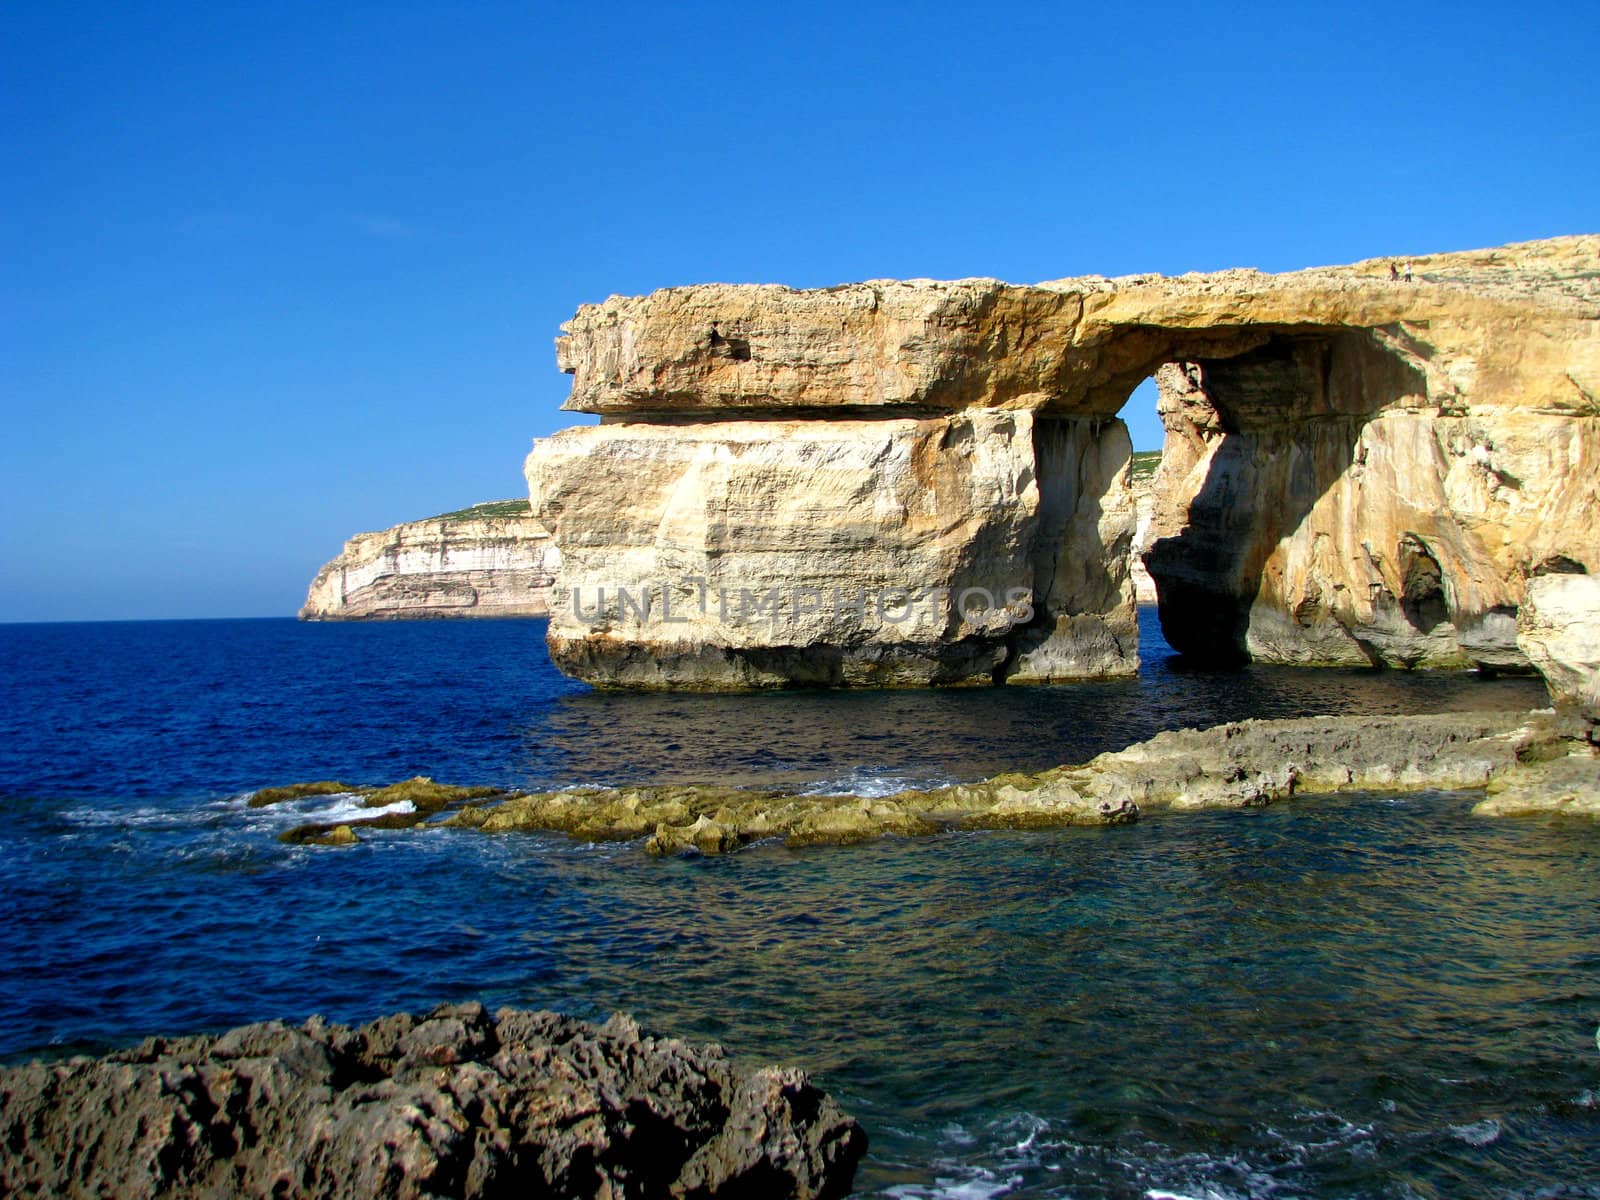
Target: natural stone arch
{"x": 1357, "y": 470}
{"x": 1261, "y": 425}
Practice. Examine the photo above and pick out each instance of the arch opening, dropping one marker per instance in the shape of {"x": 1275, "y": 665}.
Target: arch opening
{"x": 1260, "y": 430}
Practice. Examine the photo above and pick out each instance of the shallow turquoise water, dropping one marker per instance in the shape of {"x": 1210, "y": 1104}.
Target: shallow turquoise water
{"x": 1353, "y": 997}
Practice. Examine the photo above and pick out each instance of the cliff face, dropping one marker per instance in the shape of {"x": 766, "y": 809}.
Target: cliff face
{"x": 463, "y": 565}
{"x": 1559, "y": 631}
{"x": 1356, "y": 470}
{"x": 890, "y": 552}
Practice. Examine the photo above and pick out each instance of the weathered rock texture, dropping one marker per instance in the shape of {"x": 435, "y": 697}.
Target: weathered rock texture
{"x": 452, "y": 1104}
{"x": 1558, "y": 628}
{"x": 1356, "y": 470}
{"x": 896, "y": 551}
{"x": 463, "y": 565}
{"x": 1527, "y": 763}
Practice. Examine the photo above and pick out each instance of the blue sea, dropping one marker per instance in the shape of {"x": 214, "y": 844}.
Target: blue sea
{"x": 1361, "y": 996}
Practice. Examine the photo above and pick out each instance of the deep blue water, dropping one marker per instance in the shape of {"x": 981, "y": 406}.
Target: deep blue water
{"x": 1352, "y": 997}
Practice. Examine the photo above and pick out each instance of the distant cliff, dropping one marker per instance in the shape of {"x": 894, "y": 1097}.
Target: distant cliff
{"x": 1142, "y": 479}
{"x": 491, "y": 560}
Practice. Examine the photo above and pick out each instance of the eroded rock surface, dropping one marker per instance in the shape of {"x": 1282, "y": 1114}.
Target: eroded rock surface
{"x": 898, "y": 552}
{"x": 1558, "y": 628}
{"x": 462, "y": 565}
{"x": 1239, "y": 765}
{"x": 1356, "y": 471}
{"x": 1528, "y": 762}
{"x": 456, "y": 1103}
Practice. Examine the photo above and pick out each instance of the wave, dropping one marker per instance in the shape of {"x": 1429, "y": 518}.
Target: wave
{"x": 1023, "y": 1154}
{"x": 874, "y": 782}
{"x": 234, "y": 812}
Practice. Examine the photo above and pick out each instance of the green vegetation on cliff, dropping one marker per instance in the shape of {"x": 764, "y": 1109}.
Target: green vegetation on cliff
{"x": 489, "y": 508}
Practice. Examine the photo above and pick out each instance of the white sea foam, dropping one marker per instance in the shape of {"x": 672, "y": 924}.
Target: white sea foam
{"x": 977, "y": 1184}
{"x": 1026, "y": 1128}
{"x": 145, "y": 817}
{"x": 873, "y": 783}
{"x": 1479, "y": 1133}
{"x": 335, "y": 808}
{"x": 957, "y": 1135}
{"x": 354, "y": 810}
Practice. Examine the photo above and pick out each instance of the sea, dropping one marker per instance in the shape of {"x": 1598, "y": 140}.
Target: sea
{"x": 1356, "y": 996}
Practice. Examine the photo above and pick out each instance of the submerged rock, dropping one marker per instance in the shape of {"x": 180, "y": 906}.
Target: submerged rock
{"x": 1242, "y": 764}
{"x": 455, "y": 1103}
{"x": 298, "y": 791}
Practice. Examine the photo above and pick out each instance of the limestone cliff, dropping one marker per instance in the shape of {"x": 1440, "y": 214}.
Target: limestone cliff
{"x": 887, "y": 552}
{"x": 1357, "y": 470}
{"x": 493, "y": 560}
{"x": 1558, "y": 628}
{"x": 1143, "y": 482}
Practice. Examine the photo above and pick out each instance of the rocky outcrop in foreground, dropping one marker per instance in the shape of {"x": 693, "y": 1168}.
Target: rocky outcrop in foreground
{"x": 455, "y": 1103}
{"x": 493, "y": 560}
{"x": 905, "y": 483}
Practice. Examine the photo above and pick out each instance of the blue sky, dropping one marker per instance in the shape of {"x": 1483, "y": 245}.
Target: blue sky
{"x": 271, "y": 274}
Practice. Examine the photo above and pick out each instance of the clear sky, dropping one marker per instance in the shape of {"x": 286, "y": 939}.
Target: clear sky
{"x": 271, "y": 274}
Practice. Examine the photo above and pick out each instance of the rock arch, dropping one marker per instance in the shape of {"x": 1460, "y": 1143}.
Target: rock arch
{"x": 1355, "y": 471}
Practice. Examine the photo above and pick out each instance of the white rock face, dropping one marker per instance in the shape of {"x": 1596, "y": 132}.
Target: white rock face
{"x": 886, "y": 552}
{"x": 1558, "y": 628}
{"x": 472, "y": 567}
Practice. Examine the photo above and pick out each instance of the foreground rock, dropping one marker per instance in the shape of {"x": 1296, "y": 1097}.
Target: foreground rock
{"x": 493, "y": 560}
{"x": 452, "y": 1104}
{"x": 1356, "y": 471}
{"x": 1523, "y": 759}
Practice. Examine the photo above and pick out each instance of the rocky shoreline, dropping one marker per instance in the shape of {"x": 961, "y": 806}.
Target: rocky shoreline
{"x": 456, "y": 1102}
{"x": 1524, "y": 762}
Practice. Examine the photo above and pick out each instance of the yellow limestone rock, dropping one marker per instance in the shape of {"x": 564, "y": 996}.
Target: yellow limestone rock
{"x": 1558, "y": 628}
{"x": 1357, "y": 470}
